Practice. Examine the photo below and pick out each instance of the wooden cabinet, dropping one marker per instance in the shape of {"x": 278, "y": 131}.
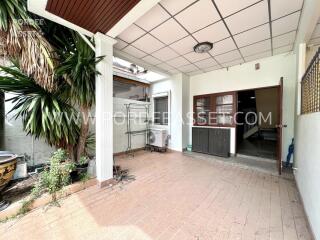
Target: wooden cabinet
{"x": 213, "y": 141}
{"x": 200, "y": 141}
{"x": 219, "y": 142}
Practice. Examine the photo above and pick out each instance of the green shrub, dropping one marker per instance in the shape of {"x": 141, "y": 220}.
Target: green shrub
{"x": 53, "y": 179}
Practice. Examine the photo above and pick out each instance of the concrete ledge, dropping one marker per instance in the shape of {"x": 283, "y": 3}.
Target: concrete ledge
{"x": 14, "y": 208}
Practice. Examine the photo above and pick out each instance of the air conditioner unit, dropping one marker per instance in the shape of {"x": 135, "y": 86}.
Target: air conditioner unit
{"x": 158, "y": 137}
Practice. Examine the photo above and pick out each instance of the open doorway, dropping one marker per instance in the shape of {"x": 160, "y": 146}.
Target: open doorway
{"x": 257, "y": 128}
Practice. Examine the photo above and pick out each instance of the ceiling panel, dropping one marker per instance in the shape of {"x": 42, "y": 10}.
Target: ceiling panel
{"x": 258, "y": 56}
{"x": 188, "y": 68}
{"x": 256, "y": 48}
{"x": 165, "y": 66}
{"x": 148, "y": 43}
{"x": 228, "y": 57}
{"x": 233, "y": 63}
{"x": 199, "y": 15}
{"x": 223, "y": 46}
{"x": 174, "y": 71}
{"x": 176, "y": 26}
{"x": 210, "y": 62}
{"x": 284, "y": 40}
{"x": 134, "y": 52}
{"x": 252, "y": 36}
{"x": 169, "y": 32}
{"x": 120, "y": 44}
{"x": 285, "y": 24}
{"x": 214, "y": 68}
{"x": 213, "y": 33}
{"x": 315, "y": 41}
{"x": 131, "y": 33}
{"x": 165, "y": 54}
{"x": 280, "y": 8}
{"x": 228, "y": 7}
{"x": 195, "y": 57}
{"x": 316, "y": 32}
{"x": 174, "y": 6}
{"x": 184, "y": 46}
{"x": 284, "y": 49}
{"x": 248, "y": 18}
{"x": 151, "y": 60}
{"x": 195, "y": 72}
{"x": 178, "y": 62}
{"x": 153, "y": 18}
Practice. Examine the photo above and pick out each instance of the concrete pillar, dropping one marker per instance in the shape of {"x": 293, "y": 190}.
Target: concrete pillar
{"x": 301, "y": 71}
{"x": 104, "y": 109}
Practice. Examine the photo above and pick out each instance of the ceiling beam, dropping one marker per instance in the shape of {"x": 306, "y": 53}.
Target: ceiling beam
{"x": 132, "y": 16}
{"x": 38, "y": 7}
{"x": 308, "y": 21}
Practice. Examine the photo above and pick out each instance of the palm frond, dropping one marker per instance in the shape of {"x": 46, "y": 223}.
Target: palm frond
{"x": 44, "y": 114}
{"x": 22, "y": 38}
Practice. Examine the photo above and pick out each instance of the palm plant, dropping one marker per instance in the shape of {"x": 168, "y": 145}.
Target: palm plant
{"x": 20, "y": 37}
{"x": 44, "y": 114}
{"x": 77, "y": 67}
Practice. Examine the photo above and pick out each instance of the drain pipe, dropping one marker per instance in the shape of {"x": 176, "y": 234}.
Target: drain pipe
{"x": 87, "y": 41}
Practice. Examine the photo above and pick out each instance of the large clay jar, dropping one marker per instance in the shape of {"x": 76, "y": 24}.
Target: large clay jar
{"x": 8, "y": 164}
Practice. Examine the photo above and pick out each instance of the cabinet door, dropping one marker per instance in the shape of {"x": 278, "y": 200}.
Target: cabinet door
{"x": 195, "y": 140}
{"x": 219, "y": 142}
{"x": 213, "y": 141}
{"x": 200, "y": 140}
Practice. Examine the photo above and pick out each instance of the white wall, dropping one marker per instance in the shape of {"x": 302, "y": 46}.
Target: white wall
{"x": 246, "y": 77}
{"x": 178, "y": 87}
{"x": 19, "y": 143}
{"x": 120, "y": 138}
{"x": 307, "y": 156}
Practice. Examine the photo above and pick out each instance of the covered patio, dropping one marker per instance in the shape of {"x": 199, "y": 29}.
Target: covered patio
{"x": 174, "y": 197}
{"x": 207, "y": 52}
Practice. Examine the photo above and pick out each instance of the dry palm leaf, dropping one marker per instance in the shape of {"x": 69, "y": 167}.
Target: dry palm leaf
{"x": 22, "y": 39}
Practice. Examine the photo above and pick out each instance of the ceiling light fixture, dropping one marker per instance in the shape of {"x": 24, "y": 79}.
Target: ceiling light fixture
{"x": 203, "y": 47}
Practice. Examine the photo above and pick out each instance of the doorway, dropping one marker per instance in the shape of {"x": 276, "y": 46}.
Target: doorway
{"x": 257, "y": 123}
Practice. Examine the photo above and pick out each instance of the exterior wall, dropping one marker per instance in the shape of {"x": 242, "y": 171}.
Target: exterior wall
{"x": 246, "y": 77}
{"x": 307, "y": 165}
{"x": 16, "y": 140}
{"x": 120, "y": 138}
{"x": 177, "y": 87}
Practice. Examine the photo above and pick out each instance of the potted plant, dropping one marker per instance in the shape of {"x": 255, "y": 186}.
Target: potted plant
{"x": 80, "y": 169}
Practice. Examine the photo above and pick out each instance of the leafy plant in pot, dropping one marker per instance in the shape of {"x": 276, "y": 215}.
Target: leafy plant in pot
{"x": 80, "y": 170}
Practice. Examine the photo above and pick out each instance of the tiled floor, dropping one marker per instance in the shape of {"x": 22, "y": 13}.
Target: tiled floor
{"x": 173, "y": 197}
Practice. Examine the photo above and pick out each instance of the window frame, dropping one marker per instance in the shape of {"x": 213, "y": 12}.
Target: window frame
{"x": 213, "y": 108}
{"x": 157, "y": 95}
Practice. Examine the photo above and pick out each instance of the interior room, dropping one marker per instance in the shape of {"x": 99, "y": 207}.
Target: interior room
{"x": 256, "y": 128}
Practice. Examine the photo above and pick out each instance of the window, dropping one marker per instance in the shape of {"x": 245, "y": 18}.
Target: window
{"x": 130, "y": 89}
{"x": 161, "y": 110}
{"x": 214, "y": 109}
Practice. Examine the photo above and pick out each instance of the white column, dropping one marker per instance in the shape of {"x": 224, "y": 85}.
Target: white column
{"x": 104, "y": 108}
{"x": 301, "y": 72}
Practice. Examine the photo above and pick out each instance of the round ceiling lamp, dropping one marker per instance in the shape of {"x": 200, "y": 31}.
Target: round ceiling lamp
{"x": 203, "y": 47}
